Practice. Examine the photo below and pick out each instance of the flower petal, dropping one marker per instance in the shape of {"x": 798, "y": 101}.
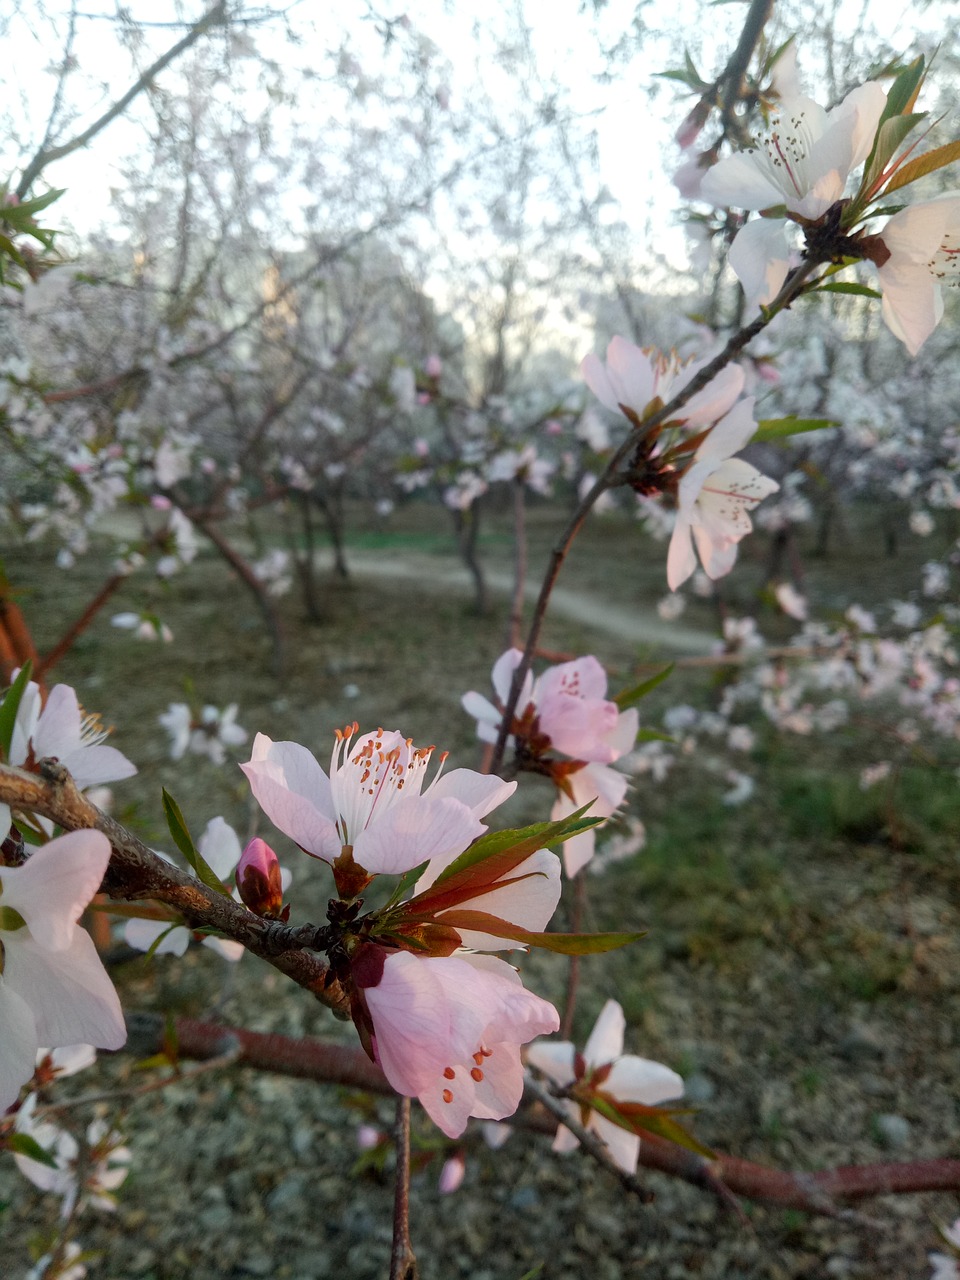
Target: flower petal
{"x": 69, "y": 993}
{"x": 606, "y": 1038}
{"x": 18, "y": 1044}
{"x": 54, "y": 885}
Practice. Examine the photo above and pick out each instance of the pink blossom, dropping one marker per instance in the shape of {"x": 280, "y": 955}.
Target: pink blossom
{"x": 714, "y": 496}
{"x": 633, "y": 377}
{"x": 923, "y": 242}
{"x": 374, "y": 800}
{"x": 448, "y": 1030}
{"x": 566, "y": 710}
{"x": 605, "y": 1068}
{"x": 54, "y": 990}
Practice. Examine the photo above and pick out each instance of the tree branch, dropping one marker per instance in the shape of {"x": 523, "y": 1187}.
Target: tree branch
{"x": 819, "y": 1192}
{"x": 216, "y": 16}
{"x": 136, "y": 872}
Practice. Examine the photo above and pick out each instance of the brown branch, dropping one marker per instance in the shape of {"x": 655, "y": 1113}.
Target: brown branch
{"x": 821, "y": 1192}
{"x": 216, "y": 16}
{"x": 403, "y": 1262}
{"x": 76, "y": 629}
{"x": 136, "y": 872}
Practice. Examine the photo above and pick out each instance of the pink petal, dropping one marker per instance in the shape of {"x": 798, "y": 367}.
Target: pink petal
{"x": 69, "y": 993}
{"x": 480, "y": 792}
{"x": 294, "y": 793}
{"x": 681, "y": 558}
{"x": 413, "y": 831}
{"x": 54, "y": 885}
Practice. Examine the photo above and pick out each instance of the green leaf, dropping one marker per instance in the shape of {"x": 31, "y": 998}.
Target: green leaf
{"x": 23, "y": 1145}
{"x": 919, "y": 167}
{"x": 11, "y": 705}
{"x": 522, "y": 841}
{"x": 889, "y": 137}
{"x": 653, "y": 735}
{"x": 780, "y": 428}
{"x": 567, "y": 944}
{"x": 406, "y": 883}
{"x": 848, "y": 286}
{"x": 904, "y": 90}
{"x": 630, "y": 697}
{"x": 184, "y": 842}
{"x": 37, "y": 203}
{"x": 151, "y": 951}
{"x": 637, "y": 1117}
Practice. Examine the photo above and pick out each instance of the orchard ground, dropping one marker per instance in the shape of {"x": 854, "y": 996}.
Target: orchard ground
{"x": 801, "y": 967}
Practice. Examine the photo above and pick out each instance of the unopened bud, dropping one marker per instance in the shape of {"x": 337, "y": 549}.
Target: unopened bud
{"x": 259, "y": 881}
{"x": 689, "y": 131}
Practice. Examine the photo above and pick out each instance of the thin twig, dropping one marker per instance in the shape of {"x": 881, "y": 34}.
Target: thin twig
{"x": 216, "y": 16}
{"x": 593, "y": 1145}
{"x": 403, "y": 1262}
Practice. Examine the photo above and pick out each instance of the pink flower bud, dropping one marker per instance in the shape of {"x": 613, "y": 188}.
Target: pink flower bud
{"x": 259, "y": 881}
{"x": 433, "y": 366}
{"x": 159, "y": 502}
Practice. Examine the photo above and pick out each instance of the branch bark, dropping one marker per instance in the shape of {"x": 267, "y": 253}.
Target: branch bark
{"x": 824, "y": 1191}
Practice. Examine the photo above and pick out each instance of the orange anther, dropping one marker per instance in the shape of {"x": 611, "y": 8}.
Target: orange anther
{"x": 477, "y": 1074}
{"x": 447, "y": 1095}
{"x": 449, "y": 1073}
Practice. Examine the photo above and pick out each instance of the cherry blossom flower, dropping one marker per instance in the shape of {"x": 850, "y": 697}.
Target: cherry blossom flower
{"x": 713, "y": 500}
{"x": 448, "y": 1030}
{"x": 68, "y": 1269}
{"x": 923, "y": 242}
{"x": 93, "y": 1178}
{"x": 617, "y": 1076}
{"x": 634, "y": 376}
{"x": 209, "y": 736}
{"x": 53, "y": 988}
{"x": 62, "y": 731}
{"x": 373, "y": 801}
{"x": 566, "y": 710}
{"x": 802, "y": 161}
{"x": 947, "y": 1266}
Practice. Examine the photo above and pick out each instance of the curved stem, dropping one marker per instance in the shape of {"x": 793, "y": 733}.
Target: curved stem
{"x": 792, "y": 288}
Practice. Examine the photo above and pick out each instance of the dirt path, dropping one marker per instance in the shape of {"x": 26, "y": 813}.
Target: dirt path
{"x": 435, "y": 573}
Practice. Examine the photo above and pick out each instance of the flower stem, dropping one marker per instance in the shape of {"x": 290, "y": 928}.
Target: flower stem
{"x": 403, "y": 1263}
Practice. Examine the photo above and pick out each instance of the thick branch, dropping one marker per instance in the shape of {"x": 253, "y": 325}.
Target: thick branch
{"x": 823, "y": 1191}
{"x": 135, "y": 872}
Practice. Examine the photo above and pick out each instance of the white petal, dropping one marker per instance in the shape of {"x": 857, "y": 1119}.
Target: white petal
{"x": 294, "y": 793}
{"x": 554, "y": 1058}
{"x": 18, "y": 1044}
{"x": 142, "y": 934}
{"x": 220, "y": 847}
{"x": 760, "y": 257}
{"x": 635, "y": 1079}
{"x": 606, "y": 1038}
{"x": 681, "y": 558}
{"x": 739, "y": 182}
{"x": 623, "y": 1146}
{"x": 480, "y": 792}
{"x": 54, "y": 885}
{"x": 69, "y": 993}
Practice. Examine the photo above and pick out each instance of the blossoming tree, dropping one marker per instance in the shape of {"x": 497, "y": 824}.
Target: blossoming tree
{"x": 421, "y": 887}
